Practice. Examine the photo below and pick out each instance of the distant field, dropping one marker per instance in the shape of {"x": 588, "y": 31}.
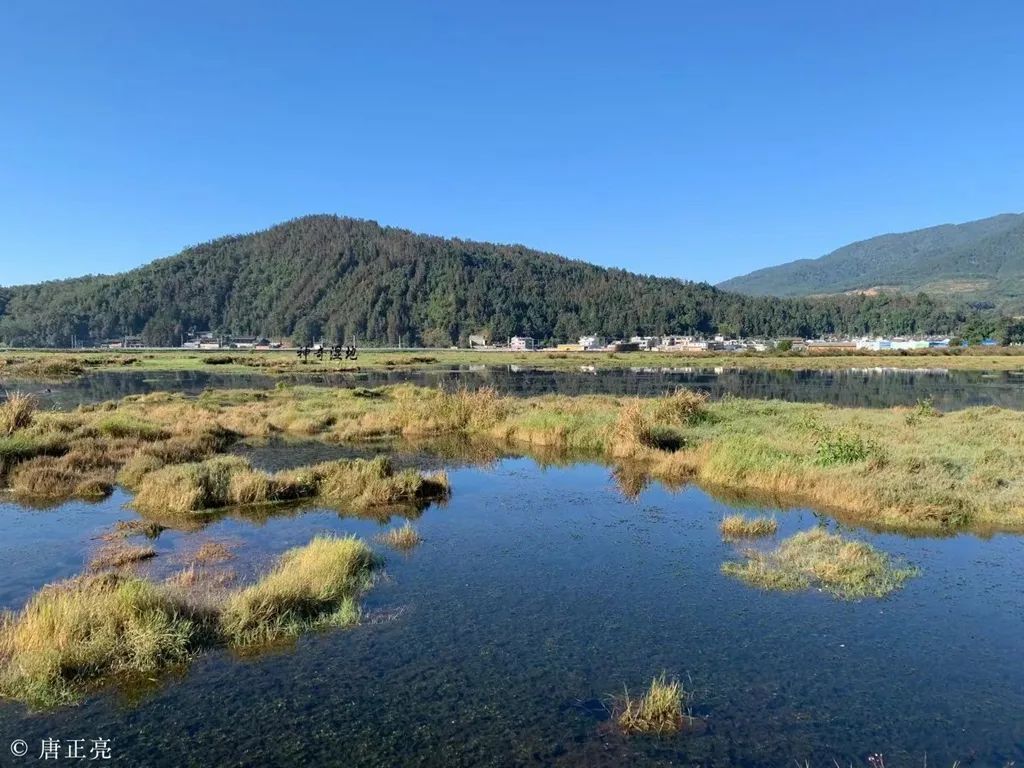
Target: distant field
{"x": 27, "y": 364}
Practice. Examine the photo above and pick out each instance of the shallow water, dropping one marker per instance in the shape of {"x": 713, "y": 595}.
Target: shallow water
{"x": 876, "y": 388}
{"x": 536, "y": 594}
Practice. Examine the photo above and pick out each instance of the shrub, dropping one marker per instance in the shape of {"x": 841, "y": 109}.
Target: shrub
{"x": 842, "y": 447}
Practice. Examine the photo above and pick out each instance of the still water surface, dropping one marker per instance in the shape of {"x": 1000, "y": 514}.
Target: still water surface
{"x": 537, "y": 593}
{"x": 876, "y": 388}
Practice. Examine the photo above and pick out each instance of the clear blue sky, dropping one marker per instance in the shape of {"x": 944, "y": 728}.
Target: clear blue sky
{"x": 698, "y": 140}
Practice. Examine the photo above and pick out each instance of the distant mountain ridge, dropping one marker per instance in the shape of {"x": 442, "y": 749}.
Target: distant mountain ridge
{"x": 977, "y": 261}
{"x": 337, "y": 278}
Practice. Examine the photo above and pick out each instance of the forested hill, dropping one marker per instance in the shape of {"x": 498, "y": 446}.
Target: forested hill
{"x": 978, "y": 261}
{"x": 333, "y": 277}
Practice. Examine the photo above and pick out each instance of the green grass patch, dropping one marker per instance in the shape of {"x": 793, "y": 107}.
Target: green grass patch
{"x": 847, "y": 569}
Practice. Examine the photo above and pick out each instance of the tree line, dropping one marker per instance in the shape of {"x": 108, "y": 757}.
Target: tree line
{"x": 335, "y": 278}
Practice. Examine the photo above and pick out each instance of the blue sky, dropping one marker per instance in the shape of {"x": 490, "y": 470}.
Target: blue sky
{"x": 697, "y": 140}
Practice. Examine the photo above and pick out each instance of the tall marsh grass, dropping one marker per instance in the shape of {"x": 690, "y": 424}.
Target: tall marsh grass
{"x": 16, "y": 412}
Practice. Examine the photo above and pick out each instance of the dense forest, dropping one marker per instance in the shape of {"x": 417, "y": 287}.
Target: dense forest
{"x": 342, "y": 279}
{"x": 980, "y": 262}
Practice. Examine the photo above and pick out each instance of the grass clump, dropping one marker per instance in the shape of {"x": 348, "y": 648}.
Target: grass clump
{"x": 684, "y": 406}
{"x": 740, "y": 527}
{"x": 16, "y": 412}
{"x": 374, "y": 481}
{"x": 122, "y": 425}
{"x": 403, "y": 539}
{"x": 847, "y": 569}
{"x": 71, "y": 635}
{"x": 311, "y": 586}
{"x": 658, "y": 711}
{"x": 230, "y": 480}
{"x": 181, "y": 488}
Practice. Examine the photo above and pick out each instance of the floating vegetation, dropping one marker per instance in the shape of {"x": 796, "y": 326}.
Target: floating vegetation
{"x": 658, "y": 711}
{"x": 118, "y": 555}
{"x": 847, "y": 569}
{"x": 404, "y": 539}
{"x": 78, "y": 633}
{"x": 741, "y": 527}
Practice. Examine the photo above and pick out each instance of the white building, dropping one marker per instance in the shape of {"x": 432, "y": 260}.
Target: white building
{"x": 592, "y": 342}
{"x": 521, "y": 343}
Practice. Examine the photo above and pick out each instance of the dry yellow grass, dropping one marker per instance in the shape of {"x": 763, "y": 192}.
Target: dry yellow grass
{"x": 314, "y": 585}
{"x": 740, "y": 527}
{"x": 79, "y": 633}
{"x": 874, "y": 467}
{"x": 16, "y": 412}
{"x": 404, "y": 539}
{"x": 117, "y": 555}
{"x": 658, "y": 711}
{"x": 816, "y": 558}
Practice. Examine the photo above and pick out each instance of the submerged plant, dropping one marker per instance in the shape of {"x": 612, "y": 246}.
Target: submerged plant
{"x": 844, "y": 568}
{"x": 659, "y": 710}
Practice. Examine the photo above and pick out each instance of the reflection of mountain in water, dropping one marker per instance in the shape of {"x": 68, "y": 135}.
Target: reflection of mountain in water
{"x": 876, "y": 387}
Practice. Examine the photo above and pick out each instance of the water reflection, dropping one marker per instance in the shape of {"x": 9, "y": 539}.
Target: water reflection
{"x": 540, "y": 591}
{"x": 949, "y": 390}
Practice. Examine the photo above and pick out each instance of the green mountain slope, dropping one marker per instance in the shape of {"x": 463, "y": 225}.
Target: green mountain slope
{"x": 977, "y": 261}
{"x": 336, "y": 278}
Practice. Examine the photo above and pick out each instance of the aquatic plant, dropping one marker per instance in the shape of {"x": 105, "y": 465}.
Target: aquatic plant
{"x": 740, "y": 527}
{"x": 842, "y": 447}
{"x": 311, "y": 586}
{"x": 658, "y": 711}
{"x": 847, "y": 569}
{"x": 16, "y": 412}
{"x": 72, "y": 634}
{"x": 683, "y": 406}
{"x": 404, "y": 538}
{"x": 75, "y": 634}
